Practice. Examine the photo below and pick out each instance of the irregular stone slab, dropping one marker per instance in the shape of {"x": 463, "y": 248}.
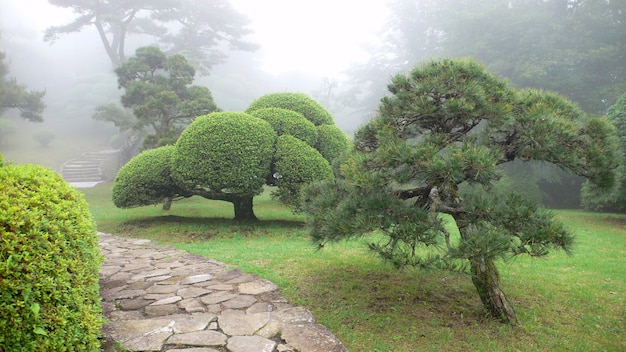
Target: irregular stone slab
{"x": 168, "y": 300}
{"x": 108, "y": 270}
{"x": 150, "y": 273}
{"x": 192, "y": 292}
{"x": 152, "y": 342}
{"x": 132, "y": 304}
{"x": 228, "y": 274}
{"x": 217, "y": 297}
{"x": 196, "y": 278}
{"x": 139, "y": 285}
{"x": 185, "y": 323}
{"x": 199, "y": 338}
{"x": 236, "y": 322}
{"x": 250, "y": 344}
{"x": 141, "y": 335}
{"x": 158, "y": 288}
{"x": 261, "y": 307}
{"x": 257, "y": 287}
{"x": 311, "y": 338}
{"x": 127, "y": 294}
{"x": 220, "y": 287}
{"x": 241, "y": 279}
{"x": 192, "y": 305}
{"x": 158, "y": 278}
{"x": 295, "y": 315}
{"x": 199, "y": 349}
{"x": 162, "y": 310}
{"x": 241, "y": 301}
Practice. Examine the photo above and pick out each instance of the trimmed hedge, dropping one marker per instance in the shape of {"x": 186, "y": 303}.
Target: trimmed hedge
{"x": 297, "y": 164}
{"x": 286, "y": 121}
{"x": 49, "y": 264}
{"x": 228, "y": 152}
{"x": 299, "y": 102}
{"x": 146, "y": 179}
{"x": 332, "y": 141}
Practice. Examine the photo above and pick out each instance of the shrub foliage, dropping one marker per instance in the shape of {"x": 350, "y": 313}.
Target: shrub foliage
{"x": 49, "y": 264}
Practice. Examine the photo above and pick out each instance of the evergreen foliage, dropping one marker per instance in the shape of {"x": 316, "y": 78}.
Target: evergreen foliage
{"x": 436, "y": 147}
{"x": 299, "y": 102}
{"x": 230, "y": 156}
{"x": 49, "y": 264}
{"x": 613, "y": 199}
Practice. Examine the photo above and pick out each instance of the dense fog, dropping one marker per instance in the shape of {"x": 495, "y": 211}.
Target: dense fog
{"x": 343, "y": 54}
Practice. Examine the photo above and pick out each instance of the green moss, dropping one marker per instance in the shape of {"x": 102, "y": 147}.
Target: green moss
{"x": 49, "y": 264}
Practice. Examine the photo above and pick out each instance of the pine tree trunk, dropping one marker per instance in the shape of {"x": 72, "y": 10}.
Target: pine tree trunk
{"x": 243, "y": 208}
{"x": 486, "y": 279}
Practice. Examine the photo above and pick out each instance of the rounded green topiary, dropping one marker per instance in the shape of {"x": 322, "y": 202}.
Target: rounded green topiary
{"x": 331, "y": 141}
{"x": 299, "y": 102}
{"x": 49, "y": 264}
{"x": 297, "y": 164}
{"x": 227, "y": 152}
{"x": 146, "y": 179}
{"x": 290, "y": 122}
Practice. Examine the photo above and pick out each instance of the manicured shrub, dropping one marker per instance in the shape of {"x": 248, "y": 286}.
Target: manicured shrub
{"x": 286, "y": 121}
{"x": 145, "y": 180}
{"x": 49, "y": 264}
{"x": 299, "y": 102}
{"x": 331, "y": 141}
{"x": 297, "y": 164}
{"x": 227, "y": 152}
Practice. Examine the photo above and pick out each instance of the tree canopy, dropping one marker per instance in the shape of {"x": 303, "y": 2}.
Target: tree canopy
{"x": 436, "y": 147}
{"x": 230, "y": 156}
{"x": 13, "y": 95}
{"x": 574, "y": 48}
{"x": 190, "y": 27}
{"x": 613, "y": 199}
{"x": 159, "y": 93}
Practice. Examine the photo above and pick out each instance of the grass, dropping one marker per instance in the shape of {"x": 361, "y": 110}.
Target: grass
{"x": 565, "y": 303}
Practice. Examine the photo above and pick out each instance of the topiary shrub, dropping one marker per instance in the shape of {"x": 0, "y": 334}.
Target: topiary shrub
{"x": 227, "y": 152}
{"x": 146, "y": 179}
{"x": 297, "y": 164}
{"x": 299, "y": 102}
{"x": 290, "y": 122}
{"x": 331, "y": 141}
{"x": 49, "y": 264}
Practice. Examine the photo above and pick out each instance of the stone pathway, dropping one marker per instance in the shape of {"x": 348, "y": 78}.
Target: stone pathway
{"x": 158, "y": 298}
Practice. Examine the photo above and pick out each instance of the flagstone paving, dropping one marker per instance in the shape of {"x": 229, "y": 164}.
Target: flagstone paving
{"x": 158, "y": 298}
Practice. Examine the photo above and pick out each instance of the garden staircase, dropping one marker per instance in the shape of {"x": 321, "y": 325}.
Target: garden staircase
{"x": 86, "y": 169}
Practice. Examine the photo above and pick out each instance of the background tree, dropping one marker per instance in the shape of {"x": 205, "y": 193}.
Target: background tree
{"x": 16, "y": 96}
{"x": 572, "y": 47}
{"x": 436, "y": 147}
{"x": 613, "y": 199}
{"x": 229, "y": 156}
{"x": 158, "y": 90}
{"x": 190, "y": 27}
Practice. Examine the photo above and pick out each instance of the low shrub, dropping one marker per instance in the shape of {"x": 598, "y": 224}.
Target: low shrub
{"x": 49, "y": 264}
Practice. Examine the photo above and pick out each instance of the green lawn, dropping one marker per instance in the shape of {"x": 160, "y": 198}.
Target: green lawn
{"x": 565, "y": 303}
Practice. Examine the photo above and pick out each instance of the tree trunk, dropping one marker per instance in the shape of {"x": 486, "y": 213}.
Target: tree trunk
{"x": 486, "y": 279}
{"x": 243, "y": 208}
{"x": 167, "y": 204}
